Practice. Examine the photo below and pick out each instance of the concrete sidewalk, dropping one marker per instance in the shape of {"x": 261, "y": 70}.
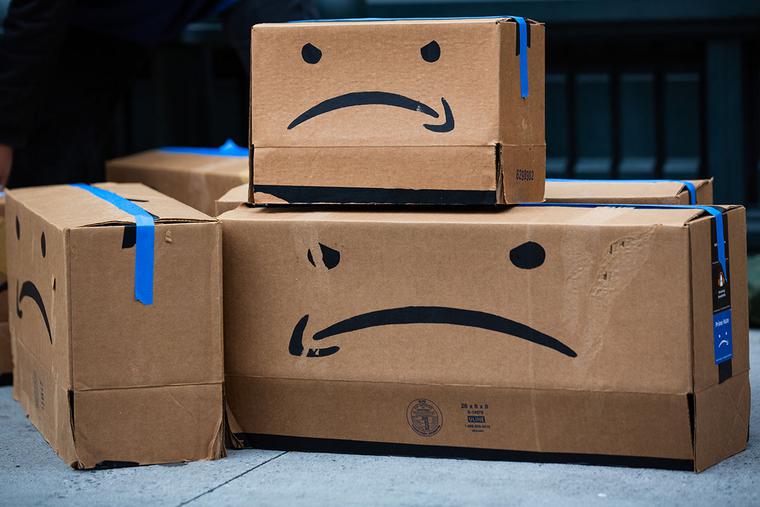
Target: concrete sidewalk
{"x": 31, "y": 474}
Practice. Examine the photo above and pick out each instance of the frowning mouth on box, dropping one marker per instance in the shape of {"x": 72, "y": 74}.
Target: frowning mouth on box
{"x": 29, "y": 290}
{"x": 422, "y": 315}
{"x": 382, "y": 99}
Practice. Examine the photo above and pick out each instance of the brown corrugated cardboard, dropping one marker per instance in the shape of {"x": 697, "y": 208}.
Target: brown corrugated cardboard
{"x": 630, "y": 191}
{"x": 577, "y": 333}
{"x": 436, "y": 111}
{"x": 196, "y": 177}
{"x": 107, "y": 379}
{"x": 232, "y": 199}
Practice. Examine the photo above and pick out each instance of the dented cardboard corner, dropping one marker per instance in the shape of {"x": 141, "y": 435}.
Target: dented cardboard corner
{"x": 629, "y": 191}
{"x": 439, "y": 111}
{"x": 562, "y": 333}
{"x": 194, "y": 176}
{"x": 89, "y": 359}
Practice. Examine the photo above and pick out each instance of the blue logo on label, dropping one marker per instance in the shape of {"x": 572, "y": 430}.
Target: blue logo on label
{"x": 722, "y": 340}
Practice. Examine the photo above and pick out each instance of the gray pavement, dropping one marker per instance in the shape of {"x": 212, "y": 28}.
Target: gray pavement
{"x": 31, "y": 474}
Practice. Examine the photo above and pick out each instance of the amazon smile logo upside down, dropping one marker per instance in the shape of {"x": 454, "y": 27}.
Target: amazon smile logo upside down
{"x": 422, "y": 315}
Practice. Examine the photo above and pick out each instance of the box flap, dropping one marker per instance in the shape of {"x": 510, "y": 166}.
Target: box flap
{"x": 721, "y": 427}
{"x": 66, "y": 206}
{"x": 546, "y": 421}
{"x": 542, "y": 214}
{"x": 403, "y": 21}
{"x": 110, "y": 427}
{"x": 603, "y": 189}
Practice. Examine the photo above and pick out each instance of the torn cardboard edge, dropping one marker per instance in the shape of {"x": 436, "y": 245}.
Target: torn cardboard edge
{"x": 629, "y": 191}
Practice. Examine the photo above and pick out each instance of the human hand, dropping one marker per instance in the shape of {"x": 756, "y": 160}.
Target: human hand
{"x": 6, "y": 161}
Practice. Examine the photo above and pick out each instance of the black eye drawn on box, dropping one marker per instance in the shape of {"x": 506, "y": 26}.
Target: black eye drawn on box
{"x": 311, "y": 54}
{"x": 431, "y": 52}
{"x": 330, "y": 256}
{"x": 528, "y": 255}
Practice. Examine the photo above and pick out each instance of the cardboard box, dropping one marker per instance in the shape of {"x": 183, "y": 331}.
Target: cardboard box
{"x": 557, "y": 333}
{"x": 630, "y": 191}
{"x": 6, "y": 364}
{"x": 411, "y": 111}
{"x": 232, "y": 199}
{"x": 194, "y": 176}
{"x": 107, "y": 379}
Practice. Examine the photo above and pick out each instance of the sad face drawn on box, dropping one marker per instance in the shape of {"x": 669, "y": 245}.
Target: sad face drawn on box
{"x": 528, "y": 255}
{"x": 430, "y": 53}
{"x": 28, "y": 290}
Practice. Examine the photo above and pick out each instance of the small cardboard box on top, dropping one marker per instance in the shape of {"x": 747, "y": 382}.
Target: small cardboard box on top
{"x": 630, "y": 191}
{"x": 556, "y": 333}
{"x": 411, "y": 111}
{"x": 107, "y": 379}
{"x": 6, "y": 362}
{"x": 194, "y": 176}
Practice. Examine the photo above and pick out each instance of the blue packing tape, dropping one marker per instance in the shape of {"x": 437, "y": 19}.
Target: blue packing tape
{"x": 144, "y": 243}
{"x": 228, "y": 149}
{"x": 522, "y": 26}
{"x": 688, "y": 184}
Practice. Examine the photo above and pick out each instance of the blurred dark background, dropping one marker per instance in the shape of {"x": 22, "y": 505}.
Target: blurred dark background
{"x": 634, "y": 89}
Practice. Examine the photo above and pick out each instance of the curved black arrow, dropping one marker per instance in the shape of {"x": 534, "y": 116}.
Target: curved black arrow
{"x": 28, "y": 289}
{"x": 423, "y": 315}
{"x": 378, "y": 98}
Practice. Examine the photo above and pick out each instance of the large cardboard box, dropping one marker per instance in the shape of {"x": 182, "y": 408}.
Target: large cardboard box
{"x": 558, "y": 333}
{"x": 630, "y": 191}
{"x": 420, "y": 111}
{"x": 232, "y": 199}
{"x": 6, "y": 363}
{"x": 194, "y": 176}
{"x": 106, "y": 378}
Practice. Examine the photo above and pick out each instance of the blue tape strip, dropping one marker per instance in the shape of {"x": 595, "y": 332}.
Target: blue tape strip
{"x": 144, "y": 244}
{"x": 688, "y": 184}
{"x": 522, "y": 25}
{"x": 228, "y": 149}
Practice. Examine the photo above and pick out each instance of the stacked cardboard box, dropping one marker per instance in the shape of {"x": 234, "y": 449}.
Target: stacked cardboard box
{"x": 568, "y": 331}
{"x": 630, "y": 191}
{"x": 117, "y": 351}
{"x": 556, "y": 331}
{"x": 441, "y": 111}
{"x": 194, "y": 176}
